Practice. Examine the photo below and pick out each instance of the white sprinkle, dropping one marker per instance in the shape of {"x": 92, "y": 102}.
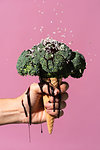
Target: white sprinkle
{"x": 62, "y": 40}
{"x": 54, "y": 32}
{"x": 42, "y": 12}
{"x": 72, "y": 71}
{"x": 70, "y": 31}
{"x": 39, "y": 11}
{"x": 77, "y": 50}
{"x": 80, "y": 70}
{"x": 59, "y": 31}
{"x": 48, "y": 35}
{"x": 41, "y": 30}
{"x": 63, "y": 36}
{"x": 69, "y": 43}
{"x": 51, "y": 21}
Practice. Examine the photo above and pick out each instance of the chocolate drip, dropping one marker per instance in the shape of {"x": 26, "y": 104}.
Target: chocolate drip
{"x": 59, "y": 97}
{"x": 53, "y": 98}
{"x": 24, "y": 109}
{"x": 41, "y": 128}
{"x": 29, "y": 103}
{"x": 52, "y": 51}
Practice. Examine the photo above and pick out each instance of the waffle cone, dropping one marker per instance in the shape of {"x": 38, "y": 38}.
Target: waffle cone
{"x": 49, "y": 118}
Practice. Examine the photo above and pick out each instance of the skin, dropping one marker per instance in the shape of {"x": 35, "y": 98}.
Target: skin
{"x": 11, "y": 110}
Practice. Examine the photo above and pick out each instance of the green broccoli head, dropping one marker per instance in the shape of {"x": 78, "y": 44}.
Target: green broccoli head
{"x": 51, "y": 59}
{"x": 28, "y": 62}
{"x": 79, "y": 65}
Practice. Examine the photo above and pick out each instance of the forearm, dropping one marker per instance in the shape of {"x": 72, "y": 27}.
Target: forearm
{"x": 10, "y": 111}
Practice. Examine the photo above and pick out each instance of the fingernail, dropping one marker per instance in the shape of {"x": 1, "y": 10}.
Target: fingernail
{"x": 56, "y": 91}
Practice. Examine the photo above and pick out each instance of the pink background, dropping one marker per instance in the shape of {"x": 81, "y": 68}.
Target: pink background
{"x": 24, "y": 23}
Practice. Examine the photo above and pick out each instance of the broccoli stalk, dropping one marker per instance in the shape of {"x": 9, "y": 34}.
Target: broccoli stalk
{"x": 51, "y": 61}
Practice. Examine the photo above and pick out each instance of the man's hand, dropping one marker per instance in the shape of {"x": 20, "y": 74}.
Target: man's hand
{"x": 38, "y": 112}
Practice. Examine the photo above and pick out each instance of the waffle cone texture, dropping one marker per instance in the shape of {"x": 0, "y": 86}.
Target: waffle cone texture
{"x": 49, "y": 118}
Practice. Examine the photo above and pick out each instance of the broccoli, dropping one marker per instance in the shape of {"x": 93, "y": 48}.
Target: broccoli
{"x": 51, "y": 61}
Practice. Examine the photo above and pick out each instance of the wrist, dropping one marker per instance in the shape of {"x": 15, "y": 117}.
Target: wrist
{"x": 9, "y": 111}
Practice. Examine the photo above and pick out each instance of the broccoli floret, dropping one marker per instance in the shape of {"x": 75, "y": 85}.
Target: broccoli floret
{"x": 51, "y": 59}
{"x": 28, "y": 63}
{"x": 79, "y": 65}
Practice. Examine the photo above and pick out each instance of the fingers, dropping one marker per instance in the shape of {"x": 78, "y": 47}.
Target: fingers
{"x": 55, "y": 114}
{"x": 64, "y": 96}
{"x": 36, "y": 88}
{"x": 49, "y": 106}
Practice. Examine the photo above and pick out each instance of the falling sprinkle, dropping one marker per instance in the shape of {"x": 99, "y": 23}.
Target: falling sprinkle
{"x": 63, "y": 36}
{"x": 69, "y": 43}
{"x": 51, "y": 21}
{"x": 39, "y": 11}
{"x": 62, "y": 40}
{"x": 70, "y": 31}
{"x": 77, "y": 50}
{"x": 48, "y": 35}
{"x": 54, "y": 32}
{"x": 41, "y": 30}
{"x": 59, "y": 31}
{"x": 42, "y": 12}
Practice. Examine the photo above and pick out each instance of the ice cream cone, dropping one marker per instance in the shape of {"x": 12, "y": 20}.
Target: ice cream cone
{"x": 50, "y": 119}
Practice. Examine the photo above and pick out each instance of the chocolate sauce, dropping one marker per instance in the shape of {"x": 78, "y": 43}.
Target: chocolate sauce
{"x": 41, "y": 128}
{"x": 59, "y": 97}
{"x": 42, "y": 82}
{"x": 24, "y": 109}
{"x": 53, "y": 98}
{"x": 29, "y": 103}
{"x": 51, "y": 50}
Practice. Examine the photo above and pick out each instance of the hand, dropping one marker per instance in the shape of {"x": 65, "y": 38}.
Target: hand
{"x": 38, "y": 112}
